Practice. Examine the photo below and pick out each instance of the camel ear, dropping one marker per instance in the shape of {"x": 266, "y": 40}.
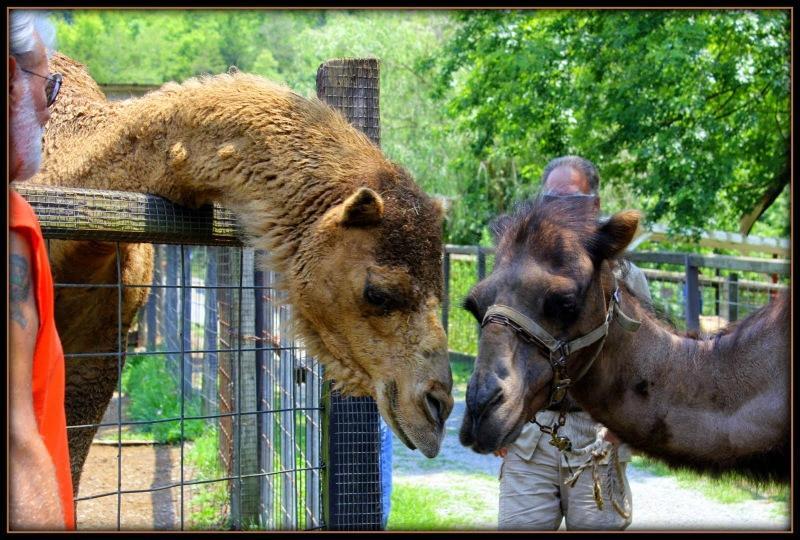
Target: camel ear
{"x": 613, "y": 236}
{"x": 362, "y": 208}
{"x": 441, "y": 206}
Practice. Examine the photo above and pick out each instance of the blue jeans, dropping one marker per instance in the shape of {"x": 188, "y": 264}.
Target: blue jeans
{"x": 386, "y": 472}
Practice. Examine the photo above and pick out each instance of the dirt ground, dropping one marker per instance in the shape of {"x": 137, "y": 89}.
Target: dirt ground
{"x": 144, "y": 467}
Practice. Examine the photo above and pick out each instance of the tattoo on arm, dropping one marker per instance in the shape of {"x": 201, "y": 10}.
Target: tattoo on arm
{"x": 20, "y": 287}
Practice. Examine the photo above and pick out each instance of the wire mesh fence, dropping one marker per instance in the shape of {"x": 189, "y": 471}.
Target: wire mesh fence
{"x": 219, "y": 419}
{"x": 724, "y": 289}
{"x": 226, "y": 404}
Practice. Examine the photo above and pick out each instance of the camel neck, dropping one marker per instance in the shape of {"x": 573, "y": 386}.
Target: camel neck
{"x": 276, "y": 160}
{"x": 681, "y": 398}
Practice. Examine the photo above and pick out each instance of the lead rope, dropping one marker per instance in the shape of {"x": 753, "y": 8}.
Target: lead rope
{"x": 596, "y": 452}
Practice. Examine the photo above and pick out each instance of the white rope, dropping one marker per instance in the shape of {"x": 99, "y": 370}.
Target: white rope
{"x": 594, "y": 453}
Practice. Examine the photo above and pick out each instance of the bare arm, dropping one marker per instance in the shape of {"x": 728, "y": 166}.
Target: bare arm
{"x": 35, "y": 503}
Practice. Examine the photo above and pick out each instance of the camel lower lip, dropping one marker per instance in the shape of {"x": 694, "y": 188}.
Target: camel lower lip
{"x": 479, "y": 446}
{"x": 398, "y": 429}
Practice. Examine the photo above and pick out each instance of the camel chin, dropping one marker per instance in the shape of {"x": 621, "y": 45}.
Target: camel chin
{"x": 496, "y": 428}
{"x": 416, "y": 418}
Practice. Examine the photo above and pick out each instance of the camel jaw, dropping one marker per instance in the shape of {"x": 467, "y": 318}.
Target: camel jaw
{"x": 425, "y": 438}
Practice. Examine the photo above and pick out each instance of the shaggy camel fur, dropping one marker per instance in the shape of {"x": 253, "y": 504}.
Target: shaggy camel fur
{"x": 357, "y": 242}
{"x": 714, "y": 404}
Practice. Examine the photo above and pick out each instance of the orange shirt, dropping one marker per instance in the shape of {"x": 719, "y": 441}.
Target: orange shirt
{"x": 48, "y": 357}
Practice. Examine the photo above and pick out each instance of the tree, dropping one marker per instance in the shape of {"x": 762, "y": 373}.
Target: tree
{"x": 686, "y": 110}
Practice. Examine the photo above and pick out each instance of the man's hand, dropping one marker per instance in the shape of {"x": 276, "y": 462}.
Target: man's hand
{"x": 35, "y": 504}
{"x": 502, "y": 452}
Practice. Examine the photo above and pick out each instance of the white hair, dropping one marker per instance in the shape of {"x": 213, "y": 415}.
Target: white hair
{"x": 25, "y": 134}
{"x": 23, "y": 27}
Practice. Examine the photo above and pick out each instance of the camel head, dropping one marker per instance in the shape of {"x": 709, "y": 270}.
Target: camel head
{"x": 551, "y": 266}
{"x": 358, "y": 245}
{"x": 366, "y": 284}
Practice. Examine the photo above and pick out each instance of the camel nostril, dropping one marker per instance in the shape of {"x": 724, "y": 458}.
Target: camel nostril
{"x": 436, "y": 409}
{"x": 487, "y": 401}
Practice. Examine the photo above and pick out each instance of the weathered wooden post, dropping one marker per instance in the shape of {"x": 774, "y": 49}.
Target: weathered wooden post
{"x": 733, "y": 297}
{"x": 225, "y": 375}
{"x": 446, "y": 292}
{"x": 186, "y": 319}
{"x": 172, "y": 329}
{"x": 692, "y": 297}
{"x": 245, "y": 498}
{"x": 351, "y": 436}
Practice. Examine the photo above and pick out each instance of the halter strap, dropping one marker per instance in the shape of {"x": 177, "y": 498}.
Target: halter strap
{"x": 528, "y": 330}
{"x": 504, "y": 314}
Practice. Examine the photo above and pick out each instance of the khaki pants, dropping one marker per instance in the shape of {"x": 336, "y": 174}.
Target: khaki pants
{"x": 533, "y": 495}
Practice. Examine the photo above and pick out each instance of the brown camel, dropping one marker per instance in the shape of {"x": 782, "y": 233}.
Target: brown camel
{"x": 357, "y": 242}
{"x": 713, "y": 404}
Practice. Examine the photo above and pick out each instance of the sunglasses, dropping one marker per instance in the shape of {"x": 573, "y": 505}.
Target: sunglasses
{"x": 52, "y": 87}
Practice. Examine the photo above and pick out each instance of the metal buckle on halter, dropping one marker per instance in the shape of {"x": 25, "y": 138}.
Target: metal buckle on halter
{"x": 615, "y": 295}
{"x": 559, "y": 391}
{"x": 561, "y": 382}
{"x": 562, "y": 443}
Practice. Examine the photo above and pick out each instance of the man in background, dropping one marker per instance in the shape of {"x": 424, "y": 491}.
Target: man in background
{"x": 40, "y": 482}
{"x": 533, "y": 494}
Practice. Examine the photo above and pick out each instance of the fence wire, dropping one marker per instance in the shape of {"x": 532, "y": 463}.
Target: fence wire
{"x": 216, "y": 418}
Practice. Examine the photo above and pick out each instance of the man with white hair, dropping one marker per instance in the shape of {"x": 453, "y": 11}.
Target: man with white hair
{"x": 40, "y": 482}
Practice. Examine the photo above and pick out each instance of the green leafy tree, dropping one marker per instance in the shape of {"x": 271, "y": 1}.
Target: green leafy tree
{"x": 686, "y": 113}
{"x": 415, "y": 129}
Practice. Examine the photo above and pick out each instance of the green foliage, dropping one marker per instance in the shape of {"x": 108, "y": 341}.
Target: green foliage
{"x": 152, "y": 47}
{"x": 686, "y": 113}
{"x": 686, "y": 110}
{"x": 462, "y": 332}
{"x": 154, "y": 394}
{"x": 208, "y": 505}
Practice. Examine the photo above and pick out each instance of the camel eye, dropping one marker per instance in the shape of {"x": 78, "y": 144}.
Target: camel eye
{"x": 381, "y": 298}
{"x": 561, "y": 306}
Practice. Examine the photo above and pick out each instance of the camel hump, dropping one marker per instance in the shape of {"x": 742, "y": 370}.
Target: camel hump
{"x": 77, "y": 85}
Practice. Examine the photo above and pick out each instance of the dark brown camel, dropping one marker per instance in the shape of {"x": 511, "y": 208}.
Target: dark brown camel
{"x": 715, "y": 404}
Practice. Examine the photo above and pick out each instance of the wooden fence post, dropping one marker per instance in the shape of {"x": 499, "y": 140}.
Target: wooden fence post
{"x": 733, "y": 297}
{"x": 351, "y": 435}
{"x": 692, "y": 297}
{"x": 481, "y": 274}
{"x": 186, "y": 319}
{"x": 210, "y": 332}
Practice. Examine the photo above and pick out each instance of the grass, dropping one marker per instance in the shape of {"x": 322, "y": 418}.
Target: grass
{"x": 153, "y": 394}
{"x": 126, "y": 435}
{"x": 458, "y": 501}
{"x": 728, "y": 488}
{"x": 462, "y": 332}
{"x": 209, "y": 503}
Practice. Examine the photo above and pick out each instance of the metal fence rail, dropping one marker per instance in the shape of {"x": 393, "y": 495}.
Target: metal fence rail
{"x": 225, "y": 370}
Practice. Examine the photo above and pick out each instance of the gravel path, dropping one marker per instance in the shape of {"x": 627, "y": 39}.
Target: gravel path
{"x": 658, "y": 502}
